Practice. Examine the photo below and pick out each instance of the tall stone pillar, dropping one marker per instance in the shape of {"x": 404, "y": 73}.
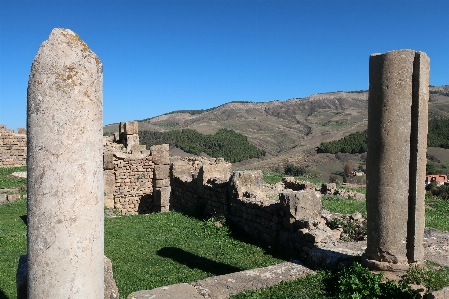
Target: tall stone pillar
{"x": 396, "y": 160}
{"x": 65, "y": 173}
{"x": 161, "y": 177}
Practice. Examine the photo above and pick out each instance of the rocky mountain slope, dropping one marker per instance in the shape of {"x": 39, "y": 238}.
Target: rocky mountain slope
{"x": 287, "y": 130}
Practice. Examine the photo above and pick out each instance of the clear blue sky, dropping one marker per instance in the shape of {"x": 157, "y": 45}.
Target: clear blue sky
{"x": 160, "y": 56}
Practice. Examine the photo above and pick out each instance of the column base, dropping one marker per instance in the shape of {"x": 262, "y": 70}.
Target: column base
{"x": 384, "y": 266}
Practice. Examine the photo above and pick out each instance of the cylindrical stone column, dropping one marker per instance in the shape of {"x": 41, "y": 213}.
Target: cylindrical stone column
{"x": 393, "y": 135}
{"x": 65, "y": 174}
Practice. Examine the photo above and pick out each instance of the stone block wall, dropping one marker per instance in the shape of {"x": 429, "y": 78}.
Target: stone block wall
{"x": 13, "y": 147}
{"x": 129, "y": 182}
{"x": 294, "y": 220}
{"x": 260, "y": 219}
{"x": 199, "y": 182}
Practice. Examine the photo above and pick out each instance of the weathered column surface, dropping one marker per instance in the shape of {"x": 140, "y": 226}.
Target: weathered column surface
{"x": 396, "y": 160}
{"x": 65, "y": 173}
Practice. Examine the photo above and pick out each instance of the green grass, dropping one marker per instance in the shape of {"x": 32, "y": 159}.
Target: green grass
{"x": 12, "y": 245}
{"x": 310, "y": 287}
{"x": 271, "y": 177}
{"x": 149, "y": 251}
{"x": 12, "y": 232}
{"x": 338, "y": 204}
{"x": 10, "y": 183}
{"x": 359, "y": 189}
{"x": 438, "y": 215}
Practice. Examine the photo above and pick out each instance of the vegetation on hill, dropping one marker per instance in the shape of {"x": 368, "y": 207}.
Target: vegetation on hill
{"x": 228, "y": 144}
{"x": 438, "y": 136}
{"x": 353, "y": 143}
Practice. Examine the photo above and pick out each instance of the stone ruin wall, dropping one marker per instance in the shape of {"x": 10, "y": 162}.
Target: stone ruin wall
{"x": 13, "y": 147}
{"x": 141, "y": 181}
{"x": 128, "y": 182}
{"x": 148, "y": 181}
{"x": 137, "y": 182}
{"x": 294, "y": 220}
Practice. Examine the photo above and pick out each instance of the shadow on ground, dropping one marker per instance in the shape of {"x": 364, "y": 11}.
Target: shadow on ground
{"x": 3, "y": 295}
{"x": 24, "y": 219}
{"x": 194, "y": 261}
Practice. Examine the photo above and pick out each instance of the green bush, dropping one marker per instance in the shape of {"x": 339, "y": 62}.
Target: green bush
{"x": 432, "y": 276}
{"x": 227, "y": 144}
{"x": 358, "y": 282}
{"x": 294, "y": 170}
{"x": 439, "y": 192}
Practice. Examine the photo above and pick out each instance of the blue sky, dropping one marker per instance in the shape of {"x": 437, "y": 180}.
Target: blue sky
{"x": 160, "y": 56}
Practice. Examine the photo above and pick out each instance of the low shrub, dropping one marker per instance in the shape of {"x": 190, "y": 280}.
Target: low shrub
{"x": 431, "y": 275}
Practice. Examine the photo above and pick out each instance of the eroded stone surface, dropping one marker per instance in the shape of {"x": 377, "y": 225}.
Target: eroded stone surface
{"x": 65, "y": 170}
{"x": 397, "y": 110}
{"x": 174, "y": 291}
{"x": 223, "y": 286}
{"x": 110, "y": 287}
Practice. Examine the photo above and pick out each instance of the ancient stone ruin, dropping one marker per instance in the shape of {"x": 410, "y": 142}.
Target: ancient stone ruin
{"x": 139, "y": 181}
{"x": 396, "y": 160}
{"x": 13, "y": 147}
{"x": 67, "y": 189}
{"x": 65, "y": 182}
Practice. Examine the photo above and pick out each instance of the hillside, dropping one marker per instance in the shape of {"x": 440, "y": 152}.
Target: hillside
{"x": 287, "y": 130}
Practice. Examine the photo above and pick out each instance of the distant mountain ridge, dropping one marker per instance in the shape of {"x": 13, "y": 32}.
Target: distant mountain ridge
{"x": 286, "y": 130}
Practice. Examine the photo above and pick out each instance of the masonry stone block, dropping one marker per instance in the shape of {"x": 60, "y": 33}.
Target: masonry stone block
{"x": 138, "y": 148}
{"x": 182, "y": 171}
{"x": 160, "y": 154}
{"x": 13, "y": 197}
{"x": 219, "y": 170}
{"x": 65, "y": 178}
{"x": 108, "y": 160}
{"x": 162, "y": 183}
{"x": 162, "y": 196}
{"x": 109, "y": 188}
{"x": 131, "y": 141}
{"x": 300, "y": 206}
{"x": 161, "y": 172}
{"x": 131, "y": 127}
{"x": 246, "y": 181}
{"x": 21, "y": 131}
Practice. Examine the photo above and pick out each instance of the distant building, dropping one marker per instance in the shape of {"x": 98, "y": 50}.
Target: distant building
{"x": 358, "y": 173}
{"x": 439, "y": 179}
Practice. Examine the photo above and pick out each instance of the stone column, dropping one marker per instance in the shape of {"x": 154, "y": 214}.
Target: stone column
{"x": 65, "y": 175}
{"x": 161, "y": 177}
{"x": 396, "y": 160}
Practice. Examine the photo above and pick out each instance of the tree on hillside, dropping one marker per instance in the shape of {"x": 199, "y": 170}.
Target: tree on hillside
{"x": 348, "y": 169}
{"x": 438, "y": 136}
{"x": 227, "y": 144}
